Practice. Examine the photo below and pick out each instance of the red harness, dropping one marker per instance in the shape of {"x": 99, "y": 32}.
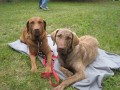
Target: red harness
{"x": 48, "y": 75}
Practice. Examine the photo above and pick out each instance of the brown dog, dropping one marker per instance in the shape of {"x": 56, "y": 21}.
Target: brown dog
{"x": 35, "y": 36}
{"x": 74, "y": 54}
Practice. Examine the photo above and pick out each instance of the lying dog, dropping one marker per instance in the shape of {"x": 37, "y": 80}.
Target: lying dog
{"x": 35, "y": 36}
{"x": 74, "y": 54}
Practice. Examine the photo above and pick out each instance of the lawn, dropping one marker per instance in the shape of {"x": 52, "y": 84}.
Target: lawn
{"x": 100, "y": 19}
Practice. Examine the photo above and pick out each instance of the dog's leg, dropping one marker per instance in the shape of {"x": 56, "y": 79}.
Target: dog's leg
{"x": 70, "y": 80}
{"x": 33, "y": 63}
{"x": 49, "y": 60}
{"x": 66, "y": 71}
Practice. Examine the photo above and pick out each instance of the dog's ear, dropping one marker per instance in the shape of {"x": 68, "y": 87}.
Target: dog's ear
{"x": 44, "y": 24}
{"x": 53, "y": 36}
{"x": 75, "y": 39}
{"x": 27, "y": 26}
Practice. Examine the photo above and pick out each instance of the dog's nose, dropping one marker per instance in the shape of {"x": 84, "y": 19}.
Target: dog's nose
{"x": 37, "y": 33}
{"x": 61, "y": 49}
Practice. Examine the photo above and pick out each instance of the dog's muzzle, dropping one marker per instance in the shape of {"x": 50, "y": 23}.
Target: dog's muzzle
{"x": 37, "y": 33}
{"x": 61, "y": 51}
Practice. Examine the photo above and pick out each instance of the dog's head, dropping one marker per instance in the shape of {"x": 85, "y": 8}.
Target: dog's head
{"x": 65, "y": 40}
{"x": 36, "y": 26}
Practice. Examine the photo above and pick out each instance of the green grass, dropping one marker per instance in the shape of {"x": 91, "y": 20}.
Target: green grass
{"x": 100, "y": 19}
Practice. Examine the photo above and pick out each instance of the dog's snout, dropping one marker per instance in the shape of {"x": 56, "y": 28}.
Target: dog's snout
{"x": 61, "y": 49}
{"x": 37, "y": 33}
{"x": 36, "y": 30}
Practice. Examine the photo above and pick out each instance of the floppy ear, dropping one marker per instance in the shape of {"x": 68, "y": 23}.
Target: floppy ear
{"x": 75, "y": 39}
{"x": 27, "y": 26}
{"x": 53, "y": 36}
{"x": 44, "y": 24}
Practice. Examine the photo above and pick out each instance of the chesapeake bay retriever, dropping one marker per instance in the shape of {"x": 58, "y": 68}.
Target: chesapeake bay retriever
{"x": 74, "y": 54}
{"x": 35, "y": 36}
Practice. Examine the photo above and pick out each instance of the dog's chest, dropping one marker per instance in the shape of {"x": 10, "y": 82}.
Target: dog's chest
{"x": 70, "y": 61}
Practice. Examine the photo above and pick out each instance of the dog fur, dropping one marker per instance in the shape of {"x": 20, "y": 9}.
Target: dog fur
{"x": 75, "y": 54}
{"x": 35, "y": 36}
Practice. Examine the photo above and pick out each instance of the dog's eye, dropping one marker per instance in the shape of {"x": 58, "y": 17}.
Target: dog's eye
{"x": 68, "y": 38}
{"x": 39, "y": 22}
{"x": 59, "y": 36}
{"x": 32, "y": 22}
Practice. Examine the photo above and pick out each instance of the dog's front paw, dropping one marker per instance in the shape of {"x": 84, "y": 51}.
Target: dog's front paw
{"x": 48, "y": 69}
{"x": 34, "y": 70}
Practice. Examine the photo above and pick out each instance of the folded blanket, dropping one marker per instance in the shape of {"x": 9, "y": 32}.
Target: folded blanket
{"x": 95, "y": 72}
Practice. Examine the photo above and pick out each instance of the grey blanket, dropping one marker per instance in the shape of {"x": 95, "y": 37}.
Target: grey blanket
{"x": 95, "y": 72}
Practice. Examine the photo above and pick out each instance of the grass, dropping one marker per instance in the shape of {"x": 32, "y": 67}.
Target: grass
{"x": 100, "y": 19}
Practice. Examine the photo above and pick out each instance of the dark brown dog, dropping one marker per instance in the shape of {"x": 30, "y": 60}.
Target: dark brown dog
{"x": 74, "y": 54}
{"x": 35, "y": 36}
